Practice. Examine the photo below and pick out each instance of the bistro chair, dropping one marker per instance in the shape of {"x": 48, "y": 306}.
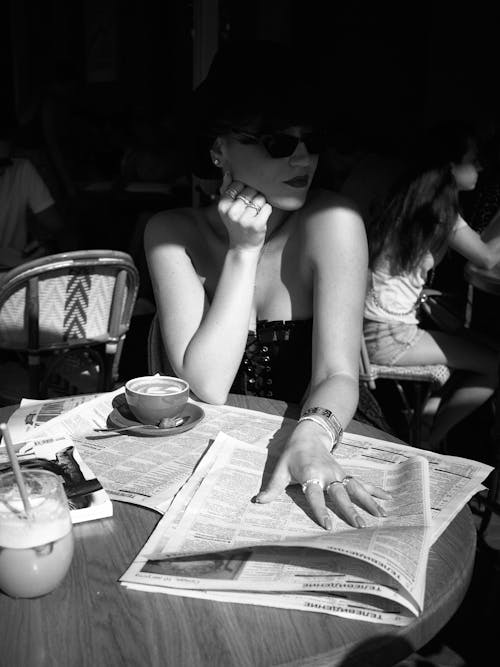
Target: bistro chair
{"x": 63, "y": 321}
{"x": 414, "y": 385}
{"x": 157, "y": 359}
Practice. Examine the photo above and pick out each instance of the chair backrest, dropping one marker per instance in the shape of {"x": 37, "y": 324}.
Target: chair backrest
{"x": 157, "y": 359}
{"x": 366, "y": 373}
{"x": 68, "y": 300}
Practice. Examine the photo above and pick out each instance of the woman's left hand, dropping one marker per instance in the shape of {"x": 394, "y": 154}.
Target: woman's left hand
{"x": 312, "y": 466}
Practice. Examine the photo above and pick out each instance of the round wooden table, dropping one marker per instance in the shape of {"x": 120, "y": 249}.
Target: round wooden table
{"x": 92, "y": 620}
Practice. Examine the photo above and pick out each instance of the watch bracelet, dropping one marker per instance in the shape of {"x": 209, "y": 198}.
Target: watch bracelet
{"x": 329, "y": 418}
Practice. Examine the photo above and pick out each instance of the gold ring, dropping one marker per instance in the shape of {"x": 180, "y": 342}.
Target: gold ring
{"x": 314, "y": 480}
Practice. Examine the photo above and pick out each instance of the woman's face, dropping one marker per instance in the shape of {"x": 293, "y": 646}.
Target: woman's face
{"x": 285, "y": 180}
{"x": 467, "y": 171}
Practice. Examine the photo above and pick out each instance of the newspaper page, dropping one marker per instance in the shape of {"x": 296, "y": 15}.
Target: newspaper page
{"x": 223, "y": 541}
{"x": 453, "y": 479}
{"x": 355, "y": 607}
{"x": 145, "y": 470}
{"x": 149, "y": 471}
{"x": 34, "y": 413}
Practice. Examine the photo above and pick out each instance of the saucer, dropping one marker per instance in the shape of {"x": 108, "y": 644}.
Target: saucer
{"x": 121, "y": 417}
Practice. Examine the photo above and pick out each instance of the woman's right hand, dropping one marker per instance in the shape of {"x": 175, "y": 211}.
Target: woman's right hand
{"x": 245, "y": 213}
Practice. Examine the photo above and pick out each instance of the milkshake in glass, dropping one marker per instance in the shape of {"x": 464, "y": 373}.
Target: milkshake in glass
{"x": 35, "y": 551}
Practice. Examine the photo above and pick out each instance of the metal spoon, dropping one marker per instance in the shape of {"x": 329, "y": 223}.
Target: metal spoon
{"x": 178, "y": 422}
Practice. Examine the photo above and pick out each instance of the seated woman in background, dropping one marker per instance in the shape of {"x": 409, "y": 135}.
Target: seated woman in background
{"x": 407, "y": 240}
{"x": 273, "y": 259}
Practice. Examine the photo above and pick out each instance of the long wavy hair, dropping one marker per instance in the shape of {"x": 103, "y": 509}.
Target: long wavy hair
{"x": 423, "y": 209}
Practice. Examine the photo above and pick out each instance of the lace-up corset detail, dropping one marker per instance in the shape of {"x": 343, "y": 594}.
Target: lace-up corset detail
{"x": 277, "y": 360}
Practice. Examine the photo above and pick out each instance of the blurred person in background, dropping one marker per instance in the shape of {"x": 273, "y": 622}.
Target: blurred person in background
{"x": 30, "y": 224}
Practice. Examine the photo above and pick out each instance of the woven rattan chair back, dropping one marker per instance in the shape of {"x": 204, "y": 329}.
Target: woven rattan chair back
{"x": 157, "y": 359}
{"x": 68, "y": 301}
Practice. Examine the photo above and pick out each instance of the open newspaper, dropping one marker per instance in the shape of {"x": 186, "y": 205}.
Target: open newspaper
{"x": 149, "y": 471}
{"x": 375, "y": 574}
{"x": 219, "y": 540}
{"x": 144, "y": 470}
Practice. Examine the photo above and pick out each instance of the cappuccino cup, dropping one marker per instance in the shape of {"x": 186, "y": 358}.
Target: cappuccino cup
{"x": 152, "y": 398}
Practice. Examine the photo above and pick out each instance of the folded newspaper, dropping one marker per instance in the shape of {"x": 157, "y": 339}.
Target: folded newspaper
{"x": 214, "y": 538}
{"x": 214, "y": 543}
{"x": 87, "y": 499}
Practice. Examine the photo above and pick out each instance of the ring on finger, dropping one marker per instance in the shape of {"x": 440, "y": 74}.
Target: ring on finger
{"x": 313, "y": 480}
{"x": 232, "y": 193}
{"x": 254, "y": 206}
{"x": 344, "y": 482}
{"x": 246, "y": 200}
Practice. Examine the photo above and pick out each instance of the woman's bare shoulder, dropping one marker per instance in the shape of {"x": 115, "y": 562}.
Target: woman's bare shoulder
{"x": 328, "y": 200}
{"x": 173, "y": 224}
{"x": 330, "y": 206}
{"x": 170, "y": 219}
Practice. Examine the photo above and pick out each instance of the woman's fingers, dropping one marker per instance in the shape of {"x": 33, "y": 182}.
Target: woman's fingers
{"x": 377, "y": 491}
{"x": 339, "y": 496}
{"x": 226, "y": 182}
{"x": 279, "y": 480}
{"x": 241, "y": 202}
{"x": 229, "y": 194}
{"x": 359, "y": 494}
{"x": 244, "y": 212}
{"x": 316, "y": 498}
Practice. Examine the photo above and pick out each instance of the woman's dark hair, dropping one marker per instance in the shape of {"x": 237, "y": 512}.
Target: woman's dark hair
{"x": 254, "y": 86}
{"x": 424, "y": 206}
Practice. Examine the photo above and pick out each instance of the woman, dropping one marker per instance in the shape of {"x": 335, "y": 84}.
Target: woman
{"x": 410, "y": 237}
{"x": 272, "y": 259}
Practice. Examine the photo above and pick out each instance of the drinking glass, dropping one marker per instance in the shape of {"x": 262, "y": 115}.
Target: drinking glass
{"x": 36, "y": 548}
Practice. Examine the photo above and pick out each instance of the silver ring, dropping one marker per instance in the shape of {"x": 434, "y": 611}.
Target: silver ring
{"x": 314, "y": 480}
{"x": 231, "y": 193}
{"x": 254, "y": 206}
{"x": 344, "y": 482}
{"x": 246, "y": 200}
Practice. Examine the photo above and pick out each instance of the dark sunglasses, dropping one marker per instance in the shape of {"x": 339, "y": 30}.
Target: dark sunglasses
{"x": 280, "y": 144}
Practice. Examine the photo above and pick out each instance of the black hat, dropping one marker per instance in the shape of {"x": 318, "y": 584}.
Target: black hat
{"x": 252, "y": 85}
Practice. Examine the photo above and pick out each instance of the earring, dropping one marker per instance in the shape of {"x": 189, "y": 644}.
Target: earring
{"x": 216, "y": 161}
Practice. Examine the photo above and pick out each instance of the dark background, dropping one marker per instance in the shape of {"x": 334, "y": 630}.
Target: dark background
{"x": 388, "y": 66}
{"x": 386, "y": 70}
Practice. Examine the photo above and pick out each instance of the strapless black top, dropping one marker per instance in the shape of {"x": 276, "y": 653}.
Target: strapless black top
{"x": 277, "y": 364}
{"x": 277, "y": 361}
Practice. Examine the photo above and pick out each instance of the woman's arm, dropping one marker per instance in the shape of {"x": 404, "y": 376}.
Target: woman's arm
{"x": 484, "y": 254}
{"x": 337, "y": 251}
{"x": 205, "y": 342}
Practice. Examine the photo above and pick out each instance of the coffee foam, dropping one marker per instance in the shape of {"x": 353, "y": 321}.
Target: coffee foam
{"x": 153, "y": 389}
{"x": 157, "y": 387}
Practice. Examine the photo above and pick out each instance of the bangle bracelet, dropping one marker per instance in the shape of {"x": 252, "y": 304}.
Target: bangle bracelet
{"x": 329, "y": 418}
{"x": 324, "y": 426}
